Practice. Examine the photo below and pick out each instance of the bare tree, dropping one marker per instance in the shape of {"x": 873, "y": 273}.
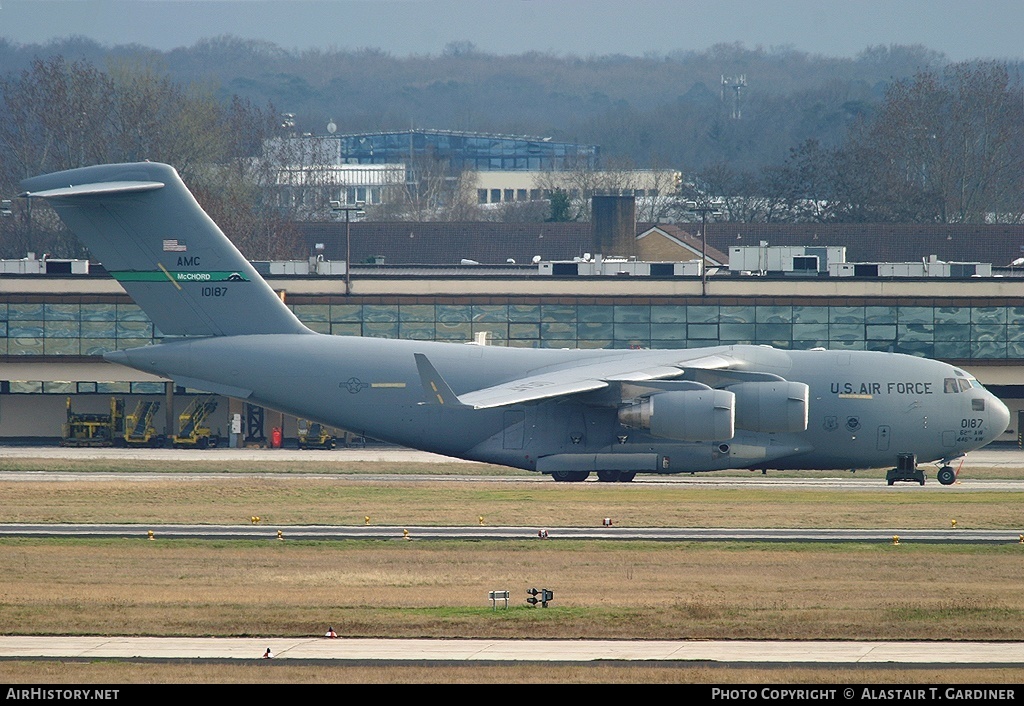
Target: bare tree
{"x": 656, "y": 190}
{"x": 432, "y": 192}
{"x": 535, "y": 211}
{"x": 55, "y": 115}
{"x": 304, "y": 173}
{"x": 58, "y": 115}
{"x": 242, "y": 192}
{"x": 946, "y": 147}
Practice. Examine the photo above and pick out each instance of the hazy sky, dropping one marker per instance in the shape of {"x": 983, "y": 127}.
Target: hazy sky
{"x": 961, "y": 29}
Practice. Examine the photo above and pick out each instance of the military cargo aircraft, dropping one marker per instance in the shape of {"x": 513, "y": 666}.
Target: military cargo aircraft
{"x": 566, "y": 413}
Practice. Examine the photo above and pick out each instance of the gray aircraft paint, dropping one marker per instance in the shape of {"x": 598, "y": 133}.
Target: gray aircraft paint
{"x": 556, "y": 411}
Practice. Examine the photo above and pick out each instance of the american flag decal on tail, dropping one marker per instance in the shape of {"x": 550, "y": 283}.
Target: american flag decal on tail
{"x": 174, "y": 245}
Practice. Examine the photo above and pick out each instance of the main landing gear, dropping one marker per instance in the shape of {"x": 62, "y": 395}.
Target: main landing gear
{"x": 615, "y": 476}
{"x": 603, "y": 476}
{"x": 570, "y": 476}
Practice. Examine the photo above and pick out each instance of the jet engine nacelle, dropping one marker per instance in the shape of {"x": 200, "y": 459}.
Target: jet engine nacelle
{"x": 690, "y": 415}
{"x": 776, "y": 406}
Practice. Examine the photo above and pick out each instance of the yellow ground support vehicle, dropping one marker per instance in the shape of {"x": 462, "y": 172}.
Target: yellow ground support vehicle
{"x": 192, "y": 429}
{"x": 313, "y": 435}
{"x": 138, "y": 426}
{"x": 90, "y": 429}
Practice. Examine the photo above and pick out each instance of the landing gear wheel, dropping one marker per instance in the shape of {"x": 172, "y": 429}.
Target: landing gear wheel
{"x": 627, "y": 476}
{"x": 946, "y": 476}
{"x": 570, "y": 476}
{"x": 609, "y": 476}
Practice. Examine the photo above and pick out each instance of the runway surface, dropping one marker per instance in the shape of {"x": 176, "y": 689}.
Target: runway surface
{"x": 321, "y": 464}
{"x": 414, "y": 533}
{"x": 989, "y": 457}
{"x": 369, "y": 650}
{"x": 339, "y": 455}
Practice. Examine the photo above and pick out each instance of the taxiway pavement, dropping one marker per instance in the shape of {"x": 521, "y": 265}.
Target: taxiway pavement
{"x": 417, "y": 650}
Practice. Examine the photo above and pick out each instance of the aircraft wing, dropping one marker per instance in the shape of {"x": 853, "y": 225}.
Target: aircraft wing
{"x": 535, "y": 387}
{"x": 585, "y": 377}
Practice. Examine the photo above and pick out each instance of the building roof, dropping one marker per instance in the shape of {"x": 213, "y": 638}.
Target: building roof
{"x": 440, "y": 243}
{"x": 446, "y": 133}
{"x": 447, "y": 243}
{"x": 685, "y": 241}
{"x": 884, "y": 242}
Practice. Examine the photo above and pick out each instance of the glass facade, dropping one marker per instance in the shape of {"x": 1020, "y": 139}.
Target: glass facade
{"x": 72, "y": 329}
{"x": 945, "y": 329}
{"x": 466, "y": 150}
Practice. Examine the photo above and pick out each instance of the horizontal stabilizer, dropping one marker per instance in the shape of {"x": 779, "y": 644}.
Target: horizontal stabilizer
{"x": 102, "y": 188}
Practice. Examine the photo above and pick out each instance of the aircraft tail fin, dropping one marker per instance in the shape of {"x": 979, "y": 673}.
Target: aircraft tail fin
{"x": 144, "y": 225}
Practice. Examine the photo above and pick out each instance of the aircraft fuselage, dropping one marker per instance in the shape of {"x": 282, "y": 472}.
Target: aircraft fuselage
{"x": 863, "y": 408}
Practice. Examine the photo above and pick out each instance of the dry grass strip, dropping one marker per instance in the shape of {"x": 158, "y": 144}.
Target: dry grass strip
{"x": 635, "y": 590}
{"x": 344, "y": 501}
{"x": 261, "y": 672}
{"x": 438, "y": 589}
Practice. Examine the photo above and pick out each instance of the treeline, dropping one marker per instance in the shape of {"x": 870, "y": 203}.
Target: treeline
{"x": 656, "y": 110}
{"x": 942, "y": 147}
{"x": 59, "y": 114}
{"x": 897, "y": 134}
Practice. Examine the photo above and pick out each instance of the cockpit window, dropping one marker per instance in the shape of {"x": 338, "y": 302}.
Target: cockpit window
{"x": 962, "y": 382}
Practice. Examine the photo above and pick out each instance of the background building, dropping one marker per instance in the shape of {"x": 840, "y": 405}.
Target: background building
{"x": 466, "y": 151}
{"x": 395, "y": 167}
{"x": 56, "y": 327}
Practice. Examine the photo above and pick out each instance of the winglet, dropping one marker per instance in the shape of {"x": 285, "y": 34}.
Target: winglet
{"x": 434, "y": 386}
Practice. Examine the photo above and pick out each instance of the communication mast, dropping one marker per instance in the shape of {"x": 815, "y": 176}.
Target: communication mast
{"x": 737, "y": 84}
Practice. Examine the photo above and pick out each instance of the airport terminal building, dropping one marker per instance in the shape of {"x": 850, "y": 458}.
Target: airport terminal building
{"x": 56, "y": 326}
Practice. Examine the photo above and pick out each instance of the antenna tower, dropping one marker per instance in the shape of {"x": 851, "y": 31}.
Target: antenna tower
{"x": 737, "y": 84}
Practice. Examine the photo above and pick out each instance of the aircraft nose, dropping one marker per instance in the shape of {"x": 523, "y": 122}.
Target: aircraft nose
{"x": 998, "y": 416}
